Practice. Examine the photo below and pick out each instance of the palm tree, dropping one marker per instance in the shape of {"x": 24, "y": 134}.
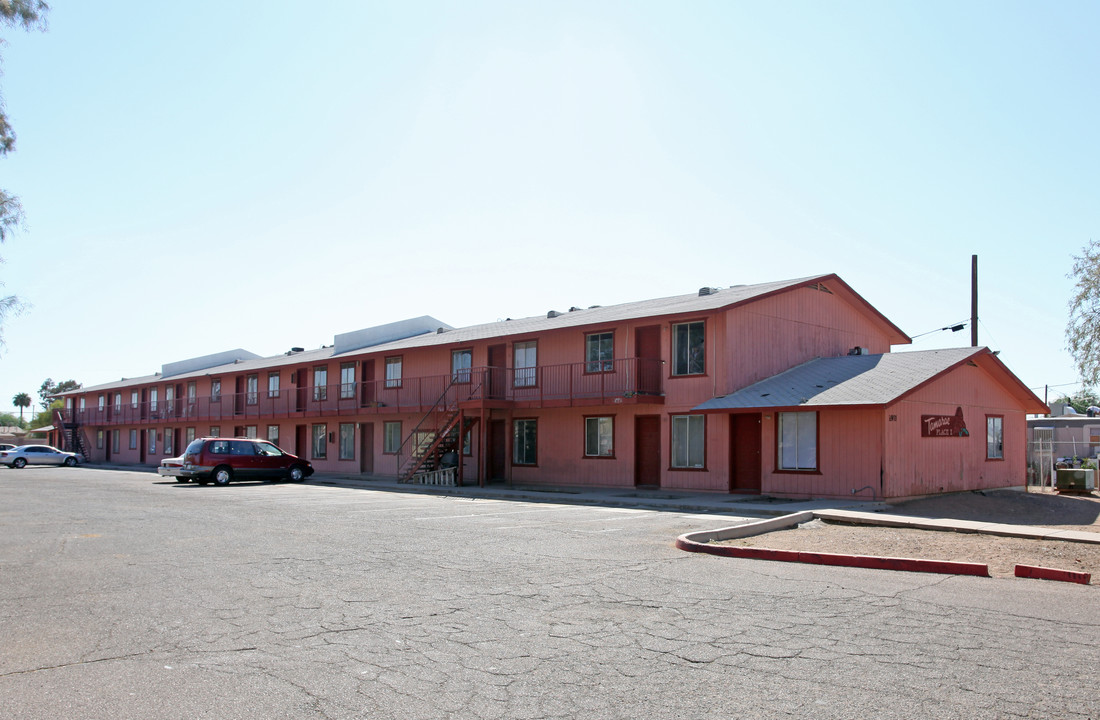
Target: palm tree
{"x": 21, "y": 400}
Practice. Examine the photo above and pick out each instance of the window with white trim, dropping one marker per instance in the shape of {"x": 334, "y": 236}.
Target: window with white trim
{"x": 599, "y": 437}
{"x": 391, "y": 436}
{"x": 797, "y": 441}
{"x": 525, "y": 360}
{"x": 599, "y": 352}
{"x": 994, "y": 437}
{"x": 688, "y": 355}
{"x": 461, "y": 362}
{"x": 393, "y": 372}
{"x": 689, "y": 441}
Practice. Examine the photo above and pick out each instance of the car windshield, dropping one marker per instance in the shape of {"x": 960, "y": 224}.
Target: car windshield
{"x": 266, "y": 448}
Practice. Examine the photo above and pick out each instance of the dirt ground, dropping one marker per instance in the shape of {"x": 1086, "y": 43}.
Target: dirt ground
{"x": 1037, "y": 509}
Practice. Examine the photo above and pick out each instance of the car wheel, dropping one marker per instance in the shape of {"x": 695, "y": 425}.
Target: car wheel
{"x": 70, "y": 461}
{"x": 222, "y": 475}
{"x": 19, "y": 463}
{"x": 296, "y": 474}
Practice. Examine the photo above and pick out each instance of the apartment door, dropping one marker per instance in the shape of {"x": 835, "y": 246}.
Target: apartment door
{"x": 745, "y": 465}
{"x": 496, "y": 384}
{"x": 367, "y": 394}
{"x": 142, "y": 440}
{"x": 238, "y": 396}
{"x": 647, "y": 343}
{"x": 647, "y": 450}
{"x": 498, "y": 449}
{"x": 366, "y": 447}
{"x": 301, "y": 392}
{"x": 301, "y": 441}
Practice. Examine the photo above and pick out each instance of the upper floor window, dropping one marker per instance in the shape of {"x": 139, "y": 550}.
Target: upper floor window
{"x": 320, "y": 383}
{"x": 216, "y": 389}
{"x": 994, "y": 437}
{"x": 393, "y": 372}
{"x": 599, "y": 352}
{"x": 688, "y": 356}
{"x": 461, "y": 362}
{"x": 797, "y": 441}
{"x": 273, "y": 384}
{"x": 152, "y": 398}
{"x": 252, "y": 389}
{"x": 118, "y": 402}
{"x": 347, "y": 380}
{"x": 525, "y": 360}
{"x": 82, "y": 403}
{"x": 133, "y": 398}
{"x": 192, "y": 391}
{"x": 102, "y": 402}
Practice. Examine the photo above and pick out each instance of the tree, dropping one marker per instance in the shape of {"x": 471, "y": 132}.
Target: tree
{"x": 9, "y": 420}
{"x": 21, "y": 401}
{"x": 27, "y": 15}
{"x": 49, "y": 389}
{"x": 1081, "y": 400}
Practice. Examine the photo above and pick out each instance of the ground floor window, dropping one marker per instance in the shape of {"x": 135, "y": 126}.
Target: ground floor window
{"x": 689, "y": 441}
{"x": 189, "y": 433}
{"x": 599, "y": 437}
{"x": 525, "y": 442}
{"x": 347, "y": 441}
{"x": 320, "y": 442}
{"x": 152, "y": 442}
{"x": 133, "y": 439}
{"x": 798, "y": 441}
{"x": 994, "y": 437}
{"x": 215, "y": 431}
{"x": 273, "y": 434}
{"x": 114, "y": 441}
{"x": 167, "y": 441}
{"x": 250, "y": 431}
{"x": 99, "y": 439}
{"x": 391, "y": 437}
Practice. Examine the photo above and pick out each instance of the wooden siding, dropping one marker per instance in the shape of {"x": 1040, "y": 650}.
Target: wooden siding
{"x": 849, "y": 457}
{"x": 767, "y": 337}
{"x": 918, "y": 465}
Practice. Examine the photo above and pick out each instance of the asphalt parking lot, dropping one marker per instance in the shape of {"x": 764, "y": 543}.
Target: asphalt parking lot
{"x": 128, "y": 597}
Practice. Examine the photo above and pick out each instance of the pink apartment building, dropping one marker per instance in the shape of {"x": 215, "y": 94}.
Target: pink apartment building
{"x": 786, "y": 388}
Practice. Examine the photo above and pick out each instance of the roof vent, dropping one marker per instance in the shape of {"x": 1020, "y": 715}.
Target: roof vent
{"x": 297, "y": 349}
{"x": 574, "y": 309}
{"x": 707, "y": 291}
{"x": 440, "y": 331}
{"x": 552, "y": 314}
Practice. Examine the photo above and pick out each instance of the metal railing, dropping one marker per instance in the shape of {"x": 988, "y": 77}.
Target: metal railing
{"x": 560, "y": 384}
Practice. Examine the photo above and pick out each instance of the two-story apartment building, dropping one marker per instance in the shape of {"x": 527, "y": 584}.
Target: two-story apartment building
{"x": 786, "y": 388}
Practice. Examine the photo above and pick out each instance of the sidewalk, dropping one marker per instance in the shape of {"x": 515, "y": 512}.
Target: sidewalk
{"x": 753, "y": 506}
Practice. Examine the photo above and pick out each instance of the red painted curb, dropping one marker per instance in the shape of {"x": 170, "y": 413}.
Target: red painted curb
{"x": 1044, "y": 573}
{"x": 872, "y": 562}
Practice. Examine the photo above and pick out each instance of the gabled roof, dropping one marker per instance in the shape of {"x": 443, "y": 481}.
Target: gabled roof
{"x": 679, "y": 305}
{"x": 862, "y": 380}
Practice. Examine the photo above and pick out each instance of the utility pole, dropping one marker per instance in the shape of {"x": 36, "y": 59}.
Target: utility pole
{"x": 973, "y": 301}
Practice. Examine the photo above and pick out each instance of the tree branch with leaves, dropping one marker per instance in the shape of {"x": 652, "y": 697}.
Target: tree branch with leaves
{"x": 25, "y": 15}
{"x": 1083, "y": 329}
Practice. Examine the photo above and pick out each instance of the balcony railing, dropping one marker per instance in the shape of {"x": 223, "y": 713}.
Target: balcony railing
{"x": 531, "y": 387}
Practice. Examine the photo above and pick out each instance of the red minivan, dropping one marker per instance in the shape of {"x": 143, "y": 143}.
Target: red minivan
{"x": 223, "y": 460}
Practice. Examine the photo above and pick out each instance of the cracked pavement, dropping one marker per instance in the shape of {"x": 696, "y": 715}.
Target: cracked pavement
{"x": 125, "y": 597}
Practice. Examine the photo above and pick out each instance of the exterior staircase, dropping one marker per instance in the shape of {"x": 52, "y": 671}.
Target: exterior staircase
{"x": 436, "y": 438}
{"x": 71, "y": 436}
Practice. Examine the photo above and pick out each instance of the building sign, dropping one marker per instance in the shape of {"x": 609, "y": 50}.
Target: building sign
{"x": 944, "y": 425}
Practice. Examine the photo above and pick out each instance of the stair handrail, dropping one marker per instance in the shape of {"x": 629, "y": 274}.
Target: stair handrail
{"x": 402, "y": 458}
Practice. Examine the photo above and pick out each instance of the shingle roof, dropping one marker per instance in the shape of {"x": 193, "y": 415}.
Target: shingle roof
{"x": 577, "y": 317}
{"x": 847, "y": 380}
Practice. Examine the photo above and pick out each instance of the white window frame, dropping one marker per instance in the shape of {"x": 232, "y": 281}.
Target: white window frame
{"x": 995, "y": 437}
{"x": 393, "y": 371}
{"x": 688, "y": 357}
{"x": 462, "y": 362}
{"x": 796, "y": 442}
{"x": 688, "y": 435}
{"x": 525, "y": 363}
{"x": 599, "y": 437}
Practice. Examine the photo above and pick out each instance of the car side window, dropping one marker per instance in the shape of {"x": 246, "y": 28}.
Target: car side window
{"x": 219, "y": 447}
{"x": 241, "y": 448}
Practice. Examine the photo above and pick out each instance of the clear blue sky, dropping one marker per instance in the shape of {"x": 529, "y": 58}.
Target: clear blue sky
{"x": 321, "y": 168}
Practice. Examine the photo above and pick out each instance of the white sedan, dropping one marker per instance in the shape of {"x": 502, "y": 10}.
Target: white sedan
{"x": 25, "y": 455}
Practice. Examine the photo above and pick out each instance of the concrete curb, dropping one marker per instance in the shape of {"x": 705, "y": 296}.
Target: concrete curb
{"x": 1043, "y": 573}
{"x": 700, "y": 542}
